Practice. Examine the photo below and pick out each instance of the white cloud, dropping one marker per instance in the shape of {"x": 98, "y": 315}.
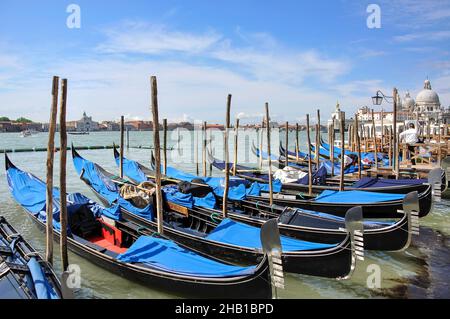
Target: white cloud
{"x": 132, "y": 37}
{"x": 423, "y": 36}
{"x": 261, "y": 56}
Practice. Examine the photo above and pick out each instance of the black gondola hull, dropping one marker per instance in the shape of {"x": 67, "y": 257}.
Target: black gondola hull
{"x": 388, "y": 209}
{"x": 255, "y": 286}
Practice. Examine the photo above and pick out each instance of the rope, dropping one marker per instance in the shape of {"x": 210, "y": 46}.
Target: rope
{"x": 212, "y": 217}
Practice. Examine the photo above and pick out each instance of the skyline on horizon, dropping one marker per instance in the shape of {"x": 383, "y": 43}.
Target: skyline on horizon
{"x": 298, "y": 56}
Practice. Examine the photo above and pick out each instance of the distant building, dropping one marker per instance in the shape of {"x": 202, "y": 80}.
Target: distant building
{"x": 336, "y": 119}
{"x": 109, "y": 126}
{"x": 6, "y": 126}
{"x": 13, "y": 126}
{"x": 85, "y": 124}
{"x": 139, "y": 125}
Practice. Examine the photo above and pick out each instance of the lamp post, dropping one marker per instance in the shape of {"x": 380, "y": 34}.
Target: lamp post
{"x": 377, "y": 100}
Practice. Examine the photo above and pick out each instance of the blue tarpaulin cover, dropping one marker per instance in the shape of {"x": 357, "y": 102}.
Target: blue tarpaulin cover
{"x": 43, "y": 289}
{"x": 356, "y": 197}
{"x": 239, "y": 234}
{"x": 236, "y": 191}
{"x": 109, "y": 190}
{"x": 170, "y": 257}
{"x": 367, "y": 182}
{"x": 30, "y": 192}
{"x": 133, "y": 170}
{"x": 337, "y": 168}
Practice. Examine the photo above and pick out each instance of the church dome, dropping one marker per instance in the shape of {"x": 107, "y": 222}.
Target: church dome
{"x": 427, "y": 97}
{"x": 408, "y": 102}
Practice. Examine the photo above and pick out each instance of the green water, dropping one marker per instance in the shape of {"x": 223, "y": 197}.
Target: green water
{"x": 422, "y": 271}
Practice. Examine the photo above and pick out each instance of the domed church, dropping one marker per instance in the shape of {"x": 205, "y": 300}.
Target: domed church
{"x": 427, "y": 103}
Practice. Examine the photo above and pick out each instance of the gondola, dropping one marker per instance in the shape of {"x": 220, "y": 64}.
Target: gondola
{"x": 324, "y": 163}
{"x": 23, "y": 272}
{"x": 300, "y": 224}
{"x": 224, "y": 238}
{"x": 129, "y": 250}
{"x": 398, "y": 186}
{"x": 375, "y": 205}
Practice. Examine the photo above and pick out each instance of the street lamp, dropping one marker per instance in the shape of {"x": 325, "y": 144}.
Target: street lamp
{"x": 378, "y": 98}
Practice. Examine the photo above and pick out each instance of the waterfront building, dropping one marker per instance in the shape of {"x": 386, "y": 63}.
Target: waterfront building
{"x": 85, "y": 124}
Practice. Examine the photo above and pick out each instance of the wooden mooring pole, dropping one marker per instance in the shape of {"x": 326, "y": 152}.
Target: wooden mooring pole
{"x": 341, "y": 180}
{"x": 227, "y": 170}
{"x": 235, "y": 158}
{"x": 269, "y": 154}
{"x": 157, "y": 150}
{"x": 122, "y": 127}
{"x": 204, "y": 148}
{"x": 165, "y": 146}
{"x": 286, "y": 144}
{"x": 375, "y": 149}
{"x": 297, "y": 146}
{"x": 358, "y": 145}
{"x": 62, "y": 176}
{"x": 308, "y": 135}
{"x": 50, "y": 158}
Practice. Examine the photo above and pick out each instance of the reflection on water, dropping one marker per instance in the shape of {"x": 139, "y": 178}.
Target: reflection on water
{"x": 422, "y": 271}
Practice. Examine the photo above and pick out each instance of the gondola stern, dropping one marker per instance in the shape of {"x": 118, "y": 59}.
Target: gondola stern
{"x": 8, "y": 163}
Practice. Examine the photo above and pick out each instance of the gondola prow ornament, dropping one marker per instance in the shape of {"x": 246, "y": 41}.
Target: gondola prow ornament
{"x": 271, "y": 244}
{"x": 355, "y": 228}
{"x": 435, "y": 179}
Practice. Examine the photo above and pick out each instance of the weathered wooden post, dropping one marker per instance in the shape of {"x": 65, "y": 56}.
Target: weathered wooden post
{"x": 286, "y": 145}
{"x": 165, "y": 146}
{"x": 62, "y": 176}
{"x": 375, "y": 152}
{"x": 261, "y": 146}
{"x": 128, "y": 138}
{"x": 196, "y": 149}
{"x": 390, "y": 145}
{"x": 204, "y": 148}
{"x": 358, "y": 145}
{"x": 227, "y": 170}
{"x": 309, "y": 156}
{"x": 210, "y": 150}
{"x": 297, "y": 146}
{"x": 396, "y": 154}
{"x": 439, "y": 143}
{"x": 236, "y": 139}
{"x": 269, "y": 155}
{"x": 122, "y": 124}
{"x": 332, "y": 148}
{"x": 50, "y": 157}
{"x": 341, "y": 181}
{"x": 382, "y": 130}
{"x": 318, "y": 139}
{"x": 157, "y": 149}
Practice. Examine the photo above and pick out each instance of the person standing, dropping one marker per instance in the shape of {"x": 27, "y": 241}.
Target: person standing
{"x": 410, "y": 138}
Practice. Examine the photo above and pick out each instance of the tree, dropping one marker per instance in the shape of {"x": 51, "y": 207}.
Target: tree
{"x": 23, "y": 120}
{"x": 4, "y": 118}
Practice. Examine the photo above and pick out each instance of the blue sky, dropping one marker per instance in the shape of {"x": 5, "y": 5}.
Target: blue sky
{"x": 296, "y": 55}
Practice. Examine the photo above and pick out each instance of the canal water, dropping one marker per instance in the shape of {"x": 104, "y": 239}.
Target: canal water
{"x": 422, "y": 271}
